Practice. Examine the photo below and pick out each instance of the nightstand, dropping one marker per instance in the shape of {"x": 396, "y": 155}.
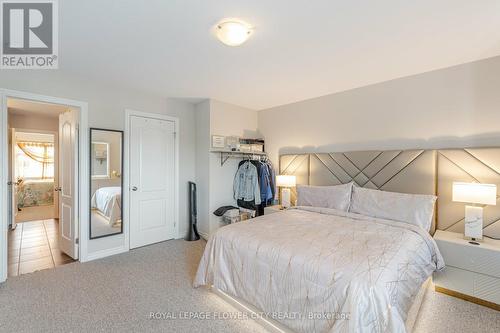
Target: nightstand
{"x": 272, "y": 209}
{"x": 472, "y": 272}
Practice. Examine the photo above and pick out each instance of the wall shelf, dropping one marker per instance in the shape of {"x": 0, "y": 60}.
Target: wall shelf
{"x": 227, "y": 154}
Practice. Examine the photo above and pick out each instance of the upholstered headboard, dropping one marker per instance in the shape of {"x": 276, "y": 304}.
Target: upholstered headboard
{"x": 481, "y": 165}
{"x": 406, "y": 171}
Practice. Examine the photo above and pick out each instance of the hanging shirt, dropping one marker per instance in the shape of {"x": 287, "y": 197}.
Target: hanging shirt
{"x": 272, "y": 178}
{"x": 246, "y": 183}
{"x": 264, "y": 181}
{"x": 270, "y": 191}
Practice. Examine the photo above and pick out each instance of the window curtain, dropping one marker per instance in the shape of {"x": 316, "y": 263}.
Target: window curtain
{"x": 41, "y": 152}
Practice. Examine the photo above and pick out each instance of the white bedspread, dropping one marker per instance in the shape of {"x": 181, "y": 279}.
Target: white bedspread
{"x": 108, "y": 201}
{"x": 310, "y": 268}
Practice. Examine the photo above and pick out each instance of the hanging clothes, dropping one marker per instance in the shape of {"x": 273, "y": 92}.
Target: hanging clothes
{"x": 266, "y": 186}
{"x": 265, "y": 183}
{"x": 246, "y": 184}
{"x": 271, "y": 194}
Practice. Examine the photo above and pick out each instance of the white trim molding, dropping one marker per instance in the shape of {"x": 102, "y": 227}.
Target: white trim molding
{"x": 83, "y": 168}
{"x": 126, "y": 183}
{"x": 107, "y": 252}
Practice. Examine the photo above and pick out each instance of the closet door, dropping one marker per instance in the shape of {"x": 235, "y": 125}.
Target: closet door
{"x": 152, "y": 180}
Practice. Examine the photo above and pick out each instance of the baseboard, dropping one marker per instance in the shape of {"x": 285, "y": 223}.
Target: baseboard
{"x": 106, "y": 253}
{"x": 182, "y": 234}
{"x": 468, "y": 298}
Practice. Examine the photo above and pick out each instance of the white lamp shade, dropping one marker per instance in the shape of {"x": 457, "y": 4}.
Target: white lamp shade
{"x": 485, "y": 194}
{"x": 285, "y": 181}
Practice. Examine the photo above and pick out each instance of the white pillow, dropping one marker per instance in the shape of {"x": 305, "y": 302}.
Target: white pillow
{"x": 416, "y": 209}
{"x": 336, "y": 197}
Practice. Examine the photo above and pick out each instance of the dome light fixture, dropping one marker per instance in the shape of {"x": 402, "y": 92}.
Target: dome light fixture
{"x": 233, "y": 32}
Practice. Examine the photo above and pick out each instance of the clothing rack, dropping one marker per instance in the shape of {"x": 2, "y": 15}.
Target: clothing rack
{"x": 227, "y": 154}
{"x": 255, "y": 178}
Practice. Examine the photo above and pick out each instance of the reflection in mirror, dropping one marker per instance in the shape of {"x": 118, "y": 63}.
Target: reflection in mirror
{"x": 106, "y": 185}
{"x": 100, "y": 160}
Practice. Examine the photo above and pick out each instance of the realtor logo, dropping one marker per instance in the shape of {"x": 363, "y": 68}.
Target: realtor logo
{"x": 29, "y": 35}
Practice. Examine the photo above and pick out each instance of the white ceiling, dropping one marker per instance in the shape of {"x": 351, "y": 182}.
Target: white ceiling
{"x": 36, "y": 137}
{"x": 28, "y": 108}
{"x": 300, "y": 49}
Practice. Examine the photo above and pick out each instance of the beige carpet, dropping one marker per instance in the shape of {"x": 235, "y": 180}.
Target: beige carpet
{"x": 117, "y": 294}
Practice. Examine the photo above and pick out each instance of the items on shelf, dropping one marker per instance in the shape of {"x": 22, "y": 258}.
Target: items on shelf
{"x": 233, "y": 143}
{"x": 233, "y": 146}
{"x": 252, "y": 145}
{"x": 236, "y": 144}
{"x": 218, "y": 141}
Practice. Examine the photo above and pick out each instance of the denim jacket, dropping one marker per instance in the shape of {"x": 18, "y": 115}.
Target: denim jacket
{"x": 246, "y": 184}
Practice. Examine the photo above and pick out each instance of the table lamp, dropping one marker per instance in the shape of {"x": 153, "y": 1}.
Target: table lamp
{"x": 285, "y": 182}
{"x": 474, "y": 193}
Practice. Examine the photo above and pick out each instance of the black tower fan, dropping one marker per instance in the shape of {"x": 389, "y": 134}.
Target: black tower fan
{"x": 193, "y": 230}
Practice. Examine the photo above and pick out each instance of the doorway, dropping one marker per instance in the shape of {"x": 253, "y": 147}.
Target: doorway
{"x": 36, "y": 237}
{"x": 33, "y": 172}
{"x": 41, "y": 225}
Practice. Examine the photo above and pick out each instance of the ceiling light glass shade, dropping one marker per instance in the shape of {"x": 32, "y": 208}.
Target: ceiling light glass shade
{"x": 485, "y": 194}
{"x": 233, "y": 32}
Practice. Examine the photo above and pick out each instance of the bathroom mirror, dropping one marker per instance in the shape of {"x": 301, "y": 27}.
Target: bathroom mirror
{"x": 106, "y": 182}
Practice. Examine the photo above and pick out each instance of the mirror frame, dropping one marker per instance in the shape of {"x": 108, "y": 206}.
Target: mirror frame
{"x": 91, "y": 129}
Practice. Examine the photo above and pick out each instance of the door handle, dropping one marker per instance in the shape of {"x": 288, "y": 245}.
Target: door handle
{"x": 10, "y": 183}
{"x": 134, "y": 188}
{"x": 58, "y": 189}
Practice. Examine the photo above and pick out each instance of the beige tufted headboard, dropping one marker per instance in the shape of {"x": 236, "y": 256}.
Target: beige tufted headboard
{"x": 406, "y": 171}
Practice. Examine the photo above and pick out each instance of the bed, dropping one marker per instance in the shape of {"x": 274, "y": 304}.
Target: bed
{"x": 317, "y": 269}
{"x": 107, "y": 202}
{"x": 34, "y": 193}
{"x": 322, "y": 270}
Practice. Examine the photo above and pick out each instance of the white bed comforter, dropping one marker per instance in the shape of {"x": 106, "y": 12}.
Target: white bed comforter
{"x": 311, "y": 268}
{"x": 108, "y": 201}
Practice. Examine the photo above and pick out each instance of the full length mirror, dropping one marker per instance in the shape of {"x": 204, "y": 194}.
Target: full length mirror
{"x": 106, "y": 184}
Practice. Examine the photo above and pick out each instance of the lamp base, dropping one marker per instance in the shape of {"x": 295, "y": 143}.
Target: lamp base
{"x": 285, "y": 197}
{"x": 474, "y": 222}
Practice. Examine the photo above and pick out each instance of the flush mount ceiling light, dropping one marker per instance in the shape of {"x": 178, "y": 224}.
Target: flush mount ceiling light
{"x": 233, "y": 32}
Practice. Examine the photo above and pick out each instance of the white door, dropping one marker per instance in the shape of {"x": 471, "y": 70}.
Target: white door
{"x": 152, "y": 179}
{"x": 68, "y": 183}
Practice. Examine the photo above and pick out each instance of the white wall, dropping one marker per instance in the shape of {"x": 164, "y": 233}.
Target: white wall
{"x": 42, "y": 123}
{"x": 106, "y": 110}
{"x": 228, "y": 120}
{"x": 215, "y": 182}
{"x": 453, "y": 107}
{"x": 202, "y": 166}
